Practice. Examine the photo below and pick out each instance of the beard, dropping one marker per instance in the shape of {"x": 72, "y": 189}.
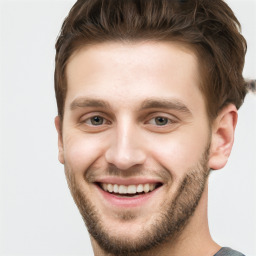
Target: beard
{"x": 167, "y": 225}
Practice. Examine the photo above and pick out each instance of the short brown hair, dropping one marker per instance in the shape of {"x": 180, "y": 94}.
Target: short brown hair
{"x": 209, "y": 27}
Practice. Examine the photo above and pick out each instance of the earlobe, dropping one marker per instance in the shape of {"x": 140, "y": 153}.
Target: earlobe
{"x": 223, "y": 130}
{"x": 60, "y": 142}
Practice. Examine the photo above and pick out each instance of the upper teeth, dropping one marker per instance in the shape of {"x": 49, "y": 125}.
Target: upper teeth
{"x": 128, "y": 189}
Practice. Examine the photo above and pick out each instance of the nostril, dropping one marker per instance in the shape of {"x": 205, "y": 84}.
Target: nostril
{"x": 124, "y": 151}
{"x": 125, "y": 161}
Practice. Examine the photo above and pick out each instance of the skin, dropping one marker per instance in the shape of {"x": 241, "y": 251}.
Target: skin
{"x": 135, "y": 81}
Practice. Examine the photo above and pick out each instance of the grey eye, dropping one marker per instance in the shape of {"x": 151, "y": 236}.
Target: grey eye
{"x": 96, "y": 120}
{"x": 161, "y": 120}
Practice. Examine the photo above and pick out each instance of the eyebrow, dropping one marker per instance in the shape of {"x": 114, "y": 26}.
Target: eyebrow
{"x": 159, "y": 103}
{"x": 88, "y": 102}
{"x": 173, "y": 104}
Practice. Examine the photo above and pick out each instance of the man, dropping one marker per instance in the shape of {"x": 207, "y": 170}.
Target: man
{"x": 147, "y": 94}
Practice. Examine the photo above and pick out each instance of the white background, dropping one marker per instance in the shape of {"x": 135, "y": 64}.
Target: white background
{"x": 37, "y": 213}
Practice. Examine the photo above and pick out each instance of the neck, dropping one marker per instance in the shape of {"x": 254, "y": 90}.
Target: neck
{"x": 194, "y": 240}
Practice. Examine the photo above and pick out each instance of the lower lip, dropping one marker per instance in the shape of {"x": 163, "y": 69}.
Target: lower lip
{"x": 127, "y": 201}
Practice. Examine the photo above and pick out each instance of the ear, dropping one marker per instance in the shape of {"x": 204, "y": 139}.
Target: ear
{"x": 60, "y": 142}
{"x": 223, "y": 130}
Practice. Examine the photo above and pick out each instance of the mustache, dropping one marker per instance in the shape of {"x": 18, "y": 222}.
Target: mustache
{"x": 94, "y": 172}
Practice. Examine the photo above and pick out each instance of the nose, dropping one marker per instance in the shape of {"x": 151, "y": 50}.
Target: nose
{"x": 126, "y": 148}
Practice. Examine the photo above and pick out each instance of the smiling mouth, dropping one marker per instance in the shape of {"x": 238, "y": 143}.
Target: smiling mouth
{"x": 129, "y": 190}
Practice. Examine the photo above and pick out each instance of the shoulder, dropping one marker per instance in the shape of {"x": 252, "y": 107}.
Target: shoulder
{"x": 226, "y": 251}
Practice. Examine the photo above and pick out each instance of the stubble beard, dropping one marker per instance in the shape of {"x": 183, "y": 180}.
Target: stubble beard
{"x": 167, "y": 225}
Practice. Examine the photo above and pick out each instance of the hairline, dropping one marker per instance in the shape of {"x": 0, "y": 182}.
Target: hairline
{"x": 183, "y": 45}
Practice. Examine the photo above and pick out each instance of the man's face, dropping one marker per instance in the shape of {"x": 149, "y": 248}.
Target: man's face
{"x": 135, "y": 141}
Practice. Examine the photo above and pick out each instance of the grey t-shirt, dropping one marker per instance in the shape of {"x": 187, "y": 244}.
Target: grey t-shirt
{"x": 225, "y": 251}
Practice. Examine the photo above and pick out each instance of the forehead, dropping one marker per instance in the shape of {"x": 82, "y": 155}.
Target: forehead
{"x": 130, "y": 72}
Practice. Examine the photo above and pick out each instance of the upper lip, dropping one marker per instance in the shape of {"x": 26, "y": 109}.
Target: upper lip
{"x": 128, "y": 181}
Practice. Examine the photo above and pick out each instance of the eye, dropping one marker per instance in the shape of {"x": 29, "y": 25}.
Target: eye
{"x": 160, "y": 121}
{"x": 95, "y": 121}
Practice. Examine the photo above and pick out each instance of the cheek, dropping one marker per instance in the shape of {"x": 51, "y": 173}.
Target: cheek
{"x": 179, "y": 153}
{"x": 81, "y": 151}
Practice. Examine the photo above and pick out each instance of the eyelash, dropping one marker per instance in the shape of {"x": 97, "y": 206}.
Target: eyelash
{"x": 167, "y": 121}
{"x": 88, "y": 121}
{"x": 151, "y": 121}
{"x": 94, "y": 117}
